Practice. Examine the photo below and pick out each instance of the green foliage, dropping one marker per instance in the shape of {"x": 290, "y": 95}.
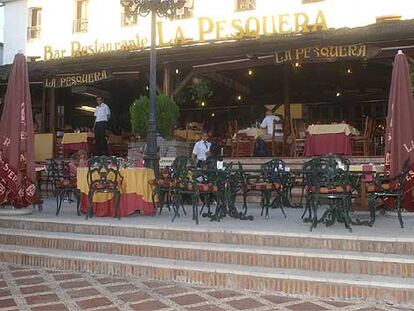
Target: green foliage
{"x": 167, "y": 115}
{"x": 200, "y": 90}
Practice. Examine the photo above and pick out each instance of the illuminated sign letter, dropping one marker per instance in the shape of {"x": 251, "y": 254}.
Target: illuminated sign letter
{"x": 203, "y": 31}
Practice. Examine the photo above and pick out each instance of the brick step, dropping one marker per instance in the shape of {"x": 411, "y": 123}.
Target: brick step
{"x": 291, "y": 281}
{"x": 353, "y": 243}
{"x": 262, "y": 256}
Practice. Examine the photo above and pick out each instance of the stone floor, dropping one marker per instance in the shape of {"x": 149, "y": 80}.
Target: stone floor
{"x": 28, "y": 288}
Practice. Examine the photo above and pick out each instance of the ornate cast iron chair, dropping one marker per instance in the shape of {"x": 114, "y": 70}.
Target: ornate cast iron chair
{"x": 329, "y": 181}
{"x": 104, "y": 177}
{"x": 193, "y": 182}
{"x": 164, "y": 186}
{"x": 272, "y": 180}
{"x": 64, "y": 183}
{"x": 385, "y": 187}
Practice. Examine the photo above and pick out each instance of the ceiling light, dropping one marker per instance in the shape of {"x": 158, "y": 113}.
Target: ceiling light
{"x": 239, "y": 97}
{"x": 86, "y": 108}
{"x": 203, "y": 104}
{"x": 349, "y": 71}
{"x": 250, "y": 72}
{"x": 297, "y": 65}
{"x": 177, "y": 71}
{"x": 213, "y": 114}
{"x": 338, "y": 94}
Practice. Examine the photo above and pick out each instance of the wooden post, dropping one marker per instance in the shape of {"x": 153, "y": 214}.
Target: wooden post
{"x": 168, "y": 80}
{"x": 286, "y": 95}
{"x": 43, "y": 125}
{"x": 52, "y": 109}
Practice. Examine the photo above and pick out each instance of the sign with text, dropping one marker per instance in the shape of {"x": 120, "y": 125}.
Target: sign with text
{"x": 69, "y": 80}
{"x": 198, "y": 30}
{"x": 326, "y": 53}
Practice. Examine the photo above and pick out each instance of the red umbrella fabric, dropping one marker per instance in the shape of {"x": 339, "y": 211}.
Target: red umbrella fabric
{"x": 399, "y": 139}
{"x": 17, "y": 167}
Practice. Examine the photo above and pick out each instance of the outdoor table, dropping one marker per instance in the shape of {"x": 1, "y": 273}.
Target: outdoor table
{"x": 73, "y": 142}
{"x": 329, "y": 138}
{"x": 253, "y": 132}
{"x": 136, "y": 193}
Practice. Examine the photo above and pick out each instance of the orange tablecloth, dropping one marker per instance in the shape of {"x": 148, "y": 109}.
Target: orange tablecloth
{"x": 73, "y": 142}
{"x": 136, "y": 193}
{"x": 339, "y": 128}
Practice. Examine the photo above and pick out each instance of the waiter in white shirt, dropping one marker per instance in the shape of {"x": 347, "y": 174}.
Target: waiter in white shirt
{"x": 102, "y": 115}
{"x": 267, "y": 124}
{"x": 201, "y": 149}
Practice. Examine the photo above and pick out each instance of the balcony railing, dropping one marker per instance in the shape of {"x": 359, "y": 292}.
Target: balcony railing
{"x": 80, "y": 25}
{"x": 128, "y": 20}
{"x": 33, "y": 32}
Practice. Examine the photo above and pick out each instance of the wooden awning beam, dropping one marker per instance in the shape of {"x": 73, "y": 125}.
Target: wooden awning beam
{"x": 233, "y": 84}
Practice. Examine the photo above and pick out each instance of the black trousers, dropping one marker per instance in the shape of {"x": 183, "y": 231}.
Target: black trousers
{"x": 100, "y": 138}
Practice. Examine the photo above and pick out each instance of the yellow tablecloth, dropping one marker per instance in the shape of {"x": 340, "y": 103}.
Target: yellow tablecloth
{"x": 76, "y": 138}
{"x": 332, "y": 129}
{"x": 254, "y": 132}
{"x": 136, "y": 181}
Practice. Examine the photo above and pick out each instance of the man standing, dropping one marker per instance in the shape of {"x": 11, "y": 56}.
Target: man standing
{"x": 201, "y": 149}
{"x": 268, "y": 123}
{"x": 102, "y": 115}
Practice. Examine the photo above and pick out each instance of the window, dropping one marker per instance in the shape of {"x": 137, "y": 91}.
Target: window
{"x": 186, "y": 11}
{"x": 81, "y": 22}
{"x": 311, "y": 1}
{"x": 128, "y": 19}
{"x": 35, "y": 21}
{"x": 245, "y": 5}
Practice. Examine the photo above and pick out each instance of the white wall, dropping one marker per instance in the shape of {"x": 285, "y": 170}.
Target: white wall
{"x": 15, "y": 28}
{"x": 105, "y": 17}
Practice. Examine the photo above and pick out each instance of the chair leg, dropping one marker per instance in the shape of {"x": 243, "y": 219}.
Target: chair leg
{"x": 59, "y": 198}
{"x": 89, "y": 212}
{"x": 314, "y": 211}
{"x": 399, "y": 211}
{"x": 372, "y": 208}
{"x": 78, "y": 198}
{"x": 117, "y": 199}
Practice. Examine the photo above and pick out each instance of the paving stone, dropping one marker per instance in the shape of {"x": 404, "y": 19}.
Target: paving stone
{"x": 279, "y": 299}
{"x": 94, "y": 303}
{"x": 222, "y": 294}
{"x": 82, "y": 293}
{"x": 121, "y": 288}
{"x": 75, "y": 284}
{"x": 168, "y": 291}
{"x": 55, "y": 307}
{"x": 38, "y": 299}
{"x": 245, "y": 304}
{"x": 306, "y": 306}
{"x": 151, "y": 305}
{"x": 30, "y": 281}
{"x": 7, "y": 303}
{"x": 22, "y": 273}
{"x": 27, "y": 290}
{"x": 338, "y": 304}
{"x": 370, "y": 309}
{"x": 188, "y": 299}
{"x": 109, "y": 280}
{"x": 134, "y": 297}
{"x": 4, "y": 292}
{"x": 154, "y": 284}
{"x": 66, "y": 276}
{"x": 209, "y": 307}
{"x": 3, "y": 284}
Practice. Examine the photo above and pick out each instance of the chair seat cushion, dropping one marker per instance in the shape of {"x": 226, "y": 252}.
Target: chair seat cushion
{"x": 163, "y": 182}
{"x": 260, "y": 186}
{"x": 66, "y": 184}
{"x": 382, "y": 187}
{"x": 203, "y": 188}
{"x": 327, "y": 190}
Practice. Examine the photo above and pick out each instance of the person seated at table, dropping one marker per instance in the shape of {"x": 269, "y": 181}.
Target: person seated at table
{"x": 79, "y": 159}
{"x": 201, "y": 149}
{"x": 267, "y": 124}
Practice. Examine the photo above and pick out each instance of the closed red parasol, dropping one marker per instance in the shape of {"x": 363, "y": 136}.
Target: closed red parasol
{"x": 399, "y": 139}
{"x": 17, "y": 167}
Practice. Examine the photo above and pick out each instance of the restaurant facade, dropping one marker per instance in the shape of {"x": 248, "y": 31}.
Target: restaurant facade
{"x": 316, "y": 60}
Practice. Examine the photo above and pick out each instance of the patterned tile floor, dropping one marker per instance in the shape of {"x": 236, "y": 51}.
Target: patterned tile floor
{"x": 28, "y": 288}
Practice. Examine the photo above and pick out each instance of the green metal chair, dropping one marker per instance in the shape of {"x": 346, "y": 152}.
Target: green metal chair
{"x": 329, "y": 181}
{"x": 272, "y": 180}
{"x": 104, "y": 177}
{"x": 388, "y": 187}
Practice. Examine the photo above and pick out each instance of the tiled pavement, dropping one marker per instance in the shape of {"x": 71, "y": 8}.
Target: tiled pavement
{"x": 28, "y": 288}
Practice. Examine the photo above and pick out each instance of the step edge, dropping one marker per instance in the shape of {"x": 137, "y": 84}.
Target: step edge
{"x": 399, "y": 283}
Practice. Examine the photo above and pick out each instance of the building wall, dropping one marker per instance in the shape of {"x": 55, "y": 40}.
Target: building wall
{"x": 105, "y": 22}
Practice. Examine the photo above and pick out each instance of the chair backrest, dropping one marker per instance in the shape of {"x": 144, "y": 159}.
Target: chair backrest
{"x": 274, "y": 171}
{"x": 232, "y": 128}
{"x": 279, "y": 126}
{"x": 178, "y": 165}
{"x": 243, "y": 146}
{"x": 104, "y": 173}
{"x": 329, "y": 171}
{"x": 298, "y": 128}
